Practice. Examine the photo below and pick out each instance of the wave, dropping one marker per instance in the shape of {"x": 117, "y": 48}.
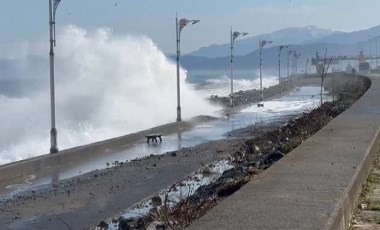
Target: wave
{"x": 106, "y": 86}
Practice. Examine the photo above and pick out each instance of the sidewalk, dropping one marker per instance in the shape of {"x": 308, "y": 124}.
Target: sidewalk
{"x": 316, "y": 185}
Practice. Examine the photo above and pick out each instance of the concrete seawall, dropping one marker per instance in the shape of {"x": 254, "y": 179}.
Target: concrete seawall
{"x": 316, "y": 185}
{"x": 45, "y": 163}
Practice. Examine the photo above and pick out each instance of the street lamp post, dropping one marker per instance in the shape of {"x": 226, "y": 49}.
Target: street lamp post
{"x": 295, "y": 65}
{"x": 262, "y": 43}
{"x": 180, "y": 24}
{"x": 376, "y": 40}
{"x": 53, "y": 5}
{"x": 296, "y": 56}
{"x": 280, "y": 47}
{"x": 233, "y": 37}
{"x": 290, "y": 52}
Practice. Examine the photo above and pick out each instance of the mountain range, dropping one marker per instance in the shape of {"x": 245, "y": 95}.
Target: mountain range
{"x": 306, "y": 41}
{"x": 292, "y": 35}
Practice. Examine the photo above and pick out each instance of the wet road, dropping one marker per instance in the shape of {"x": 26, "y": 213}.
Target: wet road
{"x": 292, "y": 104}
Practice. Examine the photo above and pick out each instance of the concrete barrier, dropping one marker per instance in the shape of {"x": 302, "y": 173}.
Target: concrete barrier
{"x": 316, "y": 185}
{"x": 46, "y": 164}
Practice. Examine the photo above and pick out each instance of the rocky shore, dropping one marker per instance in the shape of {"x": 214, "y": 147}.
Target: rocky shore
{"x": 248, "y": 97}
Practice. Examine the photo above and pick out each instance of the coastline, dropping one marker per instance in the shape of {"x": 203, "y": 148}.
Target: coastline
{"x": 99, "y": 194}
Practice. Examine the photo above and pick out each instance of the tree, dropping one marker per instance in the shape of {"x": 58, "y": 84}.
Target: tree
{"x": 323, "y": 70}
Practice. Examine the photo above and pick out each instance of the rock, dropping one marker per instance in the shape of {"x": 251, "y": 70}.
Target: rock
{"x": 206, "y": 171}
{"x": 156, "y": 201}
{"x": 252, "y": 171}
{"x": 231, "y": 186}
{"x": 103, "y": 225}
{"x": 156, "y": 225}
{"x": 238, "y": 172}
{"x": 363, "y": 206}
{"x": 271, "y": 157}
{"x": 140, "y": 224}
{"x": 239, "y": 154}
{"x": 124, "y": 224}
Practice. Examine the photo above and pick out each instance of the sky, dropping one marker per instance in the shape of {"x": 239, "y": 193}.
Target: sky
{"x": 27, "y": 20}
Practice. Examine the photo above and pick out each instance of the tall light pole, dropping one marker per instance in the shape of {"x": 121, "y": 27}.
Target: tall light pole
{"x": 376, "y": 40}
{"x": 233, "y": 37}
{"x": 370, "y": 50}
{"x": 296, "y": 56}
{"x": 53, "y": 5}
{"x": 262, "y": 43}
{"x": 180, "y": 24}
{"x": 296, "y": 64}
{"x": 290, "y": 52}
{"x": 280, "y": 47}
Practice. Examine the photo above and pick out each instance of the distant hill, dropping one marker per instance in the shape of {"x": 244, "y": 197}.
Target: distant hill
{"x": 292, "y": 35}
{"x": 270, "y": 57}
{"x": 307, "y": 41}
{"x": 349, "y": 38}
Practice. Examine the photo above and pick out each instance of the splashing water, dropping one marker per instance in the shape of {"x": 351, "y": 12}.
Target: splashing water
{"x": 106, "y": 86}
{"x": 222, "y": 86}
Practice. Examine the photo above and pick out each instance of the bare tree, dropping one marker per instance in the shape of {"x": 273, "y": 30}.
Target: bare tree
{"x": 323, "y": 70}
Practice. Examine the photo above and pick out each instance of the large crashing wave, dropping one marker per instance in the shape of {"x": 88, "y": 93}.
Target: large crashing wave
{"x": 106, "y": 86}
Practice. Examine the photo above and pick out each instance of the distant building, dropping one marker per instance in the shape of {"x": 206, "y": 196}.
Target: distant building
{"x": 349, "y": 68}
{"x": 364, "y": 67}
{"x": 361, "y": 57}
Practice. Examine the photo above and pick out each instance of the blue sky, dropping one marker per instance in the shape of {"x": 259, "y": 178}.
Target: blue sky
{"x": 26, "y": 20}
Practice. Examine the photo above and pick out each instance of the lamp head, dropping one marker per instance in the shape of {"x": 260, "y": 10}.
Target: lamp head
{"x": 236, "y": 34}
{"x": 195, "y": 21}
{"x": 184, "y": 22}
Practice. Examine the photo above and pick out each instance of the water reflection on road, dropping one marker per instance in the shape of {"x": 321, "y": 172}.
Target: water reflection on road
{"x": 294, "y": 103}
